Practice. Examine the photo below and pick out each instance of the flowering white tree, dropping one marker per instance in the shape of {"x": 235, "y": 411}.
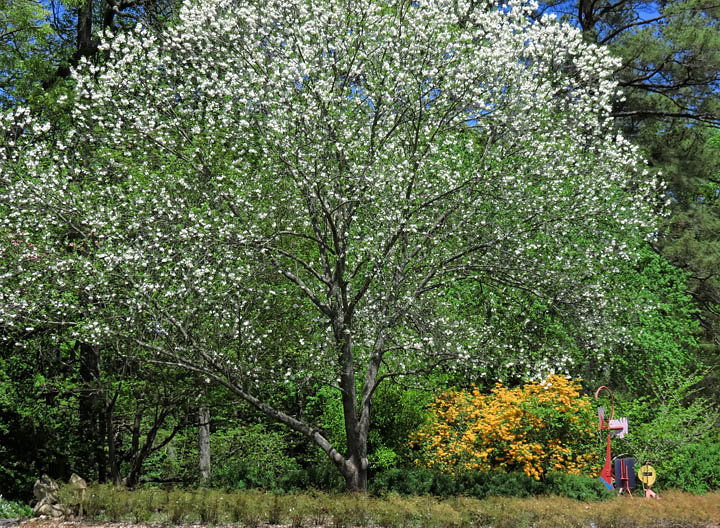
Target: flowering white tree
{"x": 290, "y": 190}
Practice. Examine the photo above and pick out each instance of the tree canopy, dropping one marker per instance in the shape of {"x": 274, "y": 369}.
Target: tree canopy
{"x": 293, "y": 192}
{"x": 669, "y": 70}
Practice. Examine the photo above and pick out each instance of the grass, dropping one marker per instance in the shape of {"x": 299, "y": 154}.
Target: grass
{"x": 252, "y": 509}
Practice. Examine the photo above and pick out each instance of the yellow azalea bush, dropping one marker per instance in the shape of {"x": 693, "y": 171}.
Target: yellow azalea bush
{"x": 535, "y": 428}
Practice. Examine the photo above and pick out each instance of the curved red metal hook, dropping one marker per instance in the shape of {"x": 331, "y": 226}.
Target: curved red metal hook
{"x": 612, "y": 400}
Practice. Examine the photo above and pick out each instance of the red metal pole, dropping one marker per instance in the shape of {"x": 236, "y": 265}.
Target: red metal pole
{"x": 606, "y": 473}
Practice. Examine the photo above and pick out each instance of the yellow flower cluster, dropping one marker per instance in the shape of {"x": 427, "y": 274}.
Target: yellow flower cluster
{"x": 534, "y": 428}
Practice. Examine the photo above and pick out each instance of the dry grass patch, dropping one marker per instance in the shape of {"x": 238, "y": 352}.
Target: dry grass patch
{"x": 255, "y": 509}
{"x": 674, "y": 509}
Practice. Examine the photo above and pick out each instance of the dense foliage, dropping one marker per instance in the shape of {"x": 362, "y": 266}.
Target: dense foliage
{"x": 669, "y": 71}
{"x": 11, "y": 509}
{"x": 676, "y": 430}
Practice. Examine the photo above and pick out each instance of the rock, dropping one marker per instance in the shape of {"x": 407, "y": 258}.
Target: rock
{"x": 45, "y": 490}
{"x": 80, "y": 486}
{"x": 53, "y": 511}
{"x": 49, "y": 504}
{"x": 45, "y": 487}
{"x": 77, "y": 482}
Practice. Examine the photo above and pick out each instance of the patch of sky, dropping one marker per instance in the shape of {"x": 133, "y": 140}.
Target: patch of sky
{"x": 358, "y": 92}
{"x": 638, "y": 13}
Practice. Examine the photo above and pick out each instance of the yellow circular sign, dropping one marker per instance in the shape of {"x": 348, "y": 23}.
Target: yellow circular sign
{"x": 647, "y": 475}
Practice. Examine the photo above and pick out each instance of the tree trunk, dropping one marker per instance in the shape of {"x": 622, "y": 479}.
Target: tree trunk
{"x": 91, "y": 411}
{"x": 204, "y": 443}
{"x": 85, "y": 47}
{"x": 355, "y": 473}
{"x": 355, "y": 467}
{"x": 141, "y": 452}
{"x": 110, "y": 438}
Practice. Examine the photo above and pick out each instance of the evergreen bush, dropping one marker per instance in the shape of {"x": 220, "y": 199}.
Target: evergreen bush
{"x": 482, "y": 484}
{"x": 575, "y": 487}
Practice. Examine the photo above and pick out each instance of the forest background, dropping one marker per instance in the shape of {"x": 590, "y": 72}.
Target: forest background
{"x": 71, "y": 406}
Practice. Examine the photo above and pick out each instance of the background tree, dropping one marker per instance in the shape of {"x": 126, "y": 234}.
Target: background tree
{"x": 25, "y": 43}
{"x": 41, "y": 42}
{"x": 669, "y": 54}
{"x": 669, "y": 72}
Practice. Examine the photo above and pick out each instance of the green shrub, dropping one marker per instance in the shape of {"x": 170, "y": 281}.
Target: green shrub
{"x": 441, "y": 484}
{"x": 575, "y": 487}
{"x": 263, "y": 462}
{"x": 12, "y": 509}
{"x": 481, "y": 484}
{"x": 501, "y": 484}
{"x": 397, "y": 411}
{"x": 693, "y": 467}
{"x": 323, "y": 475}
{"x": 414, "y": 481}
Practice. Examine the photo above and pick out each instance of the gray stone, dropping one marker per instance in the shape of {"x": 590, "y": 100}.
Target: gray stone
{"x": 45, "y": 487}
{"x": 45, "y": 490}
{"x": 77, "y": 482}
{"x": 48, "y": 509}
{"x": 79, "y": 485}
